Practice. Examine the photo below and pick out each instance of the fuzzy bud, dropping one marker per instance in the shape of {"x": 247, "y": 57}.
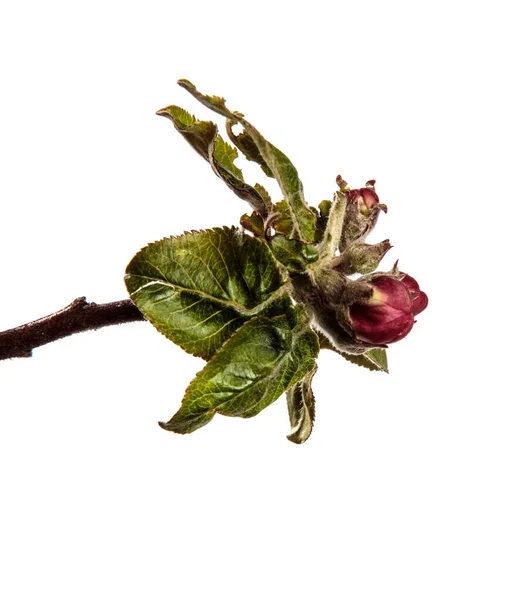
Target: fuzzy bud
{"x": 361, "y": 258}
{"x": 362, "y": 212}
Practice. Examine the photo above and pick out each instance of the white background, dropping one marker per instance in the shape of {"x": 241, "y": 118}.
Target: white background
{"x": 406, "y": 488}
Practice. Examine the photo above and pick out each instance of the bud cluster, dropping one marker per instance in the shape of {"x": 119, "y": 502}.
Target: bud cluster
{"x": 375, "y": 309}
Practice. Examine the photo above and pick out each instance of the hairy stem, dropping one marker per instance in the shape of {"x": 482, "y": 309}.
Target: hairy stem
{"x": 74, "y": 318}
{"x": 333, "y": 231}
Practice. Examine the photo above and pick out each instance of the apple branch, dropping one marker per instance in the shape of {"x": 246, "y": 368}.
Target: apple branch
{"x": 77, "y": 317}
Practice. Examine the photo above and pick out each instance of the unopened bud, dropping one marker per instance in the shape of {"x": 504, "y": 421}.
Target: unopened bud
{"x": 363, "y": 208}
{"x": 359, "y": 257}
{"x": 419, "y": 299}
{"x": 387, "y": 314}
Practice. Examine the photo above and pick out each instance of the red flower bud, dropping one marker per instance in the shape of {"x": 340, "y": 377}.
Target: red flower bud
{"x": 419, "y": 299}
{"x": 387, "y": 315}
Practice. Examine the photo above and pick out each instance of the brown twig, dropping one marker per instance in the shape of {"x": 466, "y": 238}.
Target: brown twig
{"x": 78, "y": 316}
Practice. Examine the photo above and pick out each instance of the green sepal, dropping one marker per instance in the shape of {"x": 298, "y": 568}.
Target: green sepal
{"x": 304, "y": 221}
{"x": 250, "y": 371}
{"x": 301, "y": 408}
{"x": 199, "y": 288}
{"x": 294, "y": 255}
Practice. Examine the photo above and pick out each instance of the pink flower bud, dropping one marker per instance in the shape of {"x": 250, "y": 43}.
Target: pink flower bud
{"x": 365, "y": 198}
{"x": 363, "y": 208}
{"x": 387, "y": 315}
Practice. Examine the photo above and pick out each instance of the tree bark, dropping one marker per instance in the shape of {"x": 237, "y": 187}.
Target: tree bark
{"x": 74, "y": 318}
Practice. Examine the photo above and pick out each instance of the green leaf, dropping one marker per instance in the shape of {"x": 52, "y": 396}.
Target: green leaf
{"x": 246, "y": 144}
{"x": 374, "y": 360}
{"x": 292, "y": 254}
{"x": 199, "y": 134}
{"x": 199, "y": 288}
{"x": 221, "y": 157}
{"x": 215, "y": 103}
{"x": 324, "y": 209}
{"x": 304, "y": 221}
{"x": 203, "y": 137}
{"x": 281, "y": 220}
{"x": 224, "y": 156}
{"x": 265, "y": 195}
{"x": 253, "y": 223}
{"x": 251, "y": 370}
{"x": 301, "y": 408}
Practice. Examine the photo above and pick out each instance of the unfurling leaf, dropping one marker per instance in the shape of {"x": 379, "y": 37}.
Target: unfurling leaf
{"x": 203, "y": 137}
{"x": 199, "y": 288}
{"x": 303, "y": 219}
{"x": 292, "y": 254}
{"x": 246, "y": 144}
{"x": 215, "y": 103}
{"x": 301, "y": 408}
{"x": 252, "y": 369}
{"x": 224, "y": 156}
{"x": 253, "y": 223}
{"x": 198, "y": 134}
{"x": 280, "y": 219}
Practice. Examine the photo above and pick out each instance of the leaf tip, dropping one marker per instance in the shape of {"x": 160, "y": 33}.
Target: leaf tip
{"x": 163, "y": 112}
{"x": 293, "y": 437}
{"x": 186, "y": 84}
